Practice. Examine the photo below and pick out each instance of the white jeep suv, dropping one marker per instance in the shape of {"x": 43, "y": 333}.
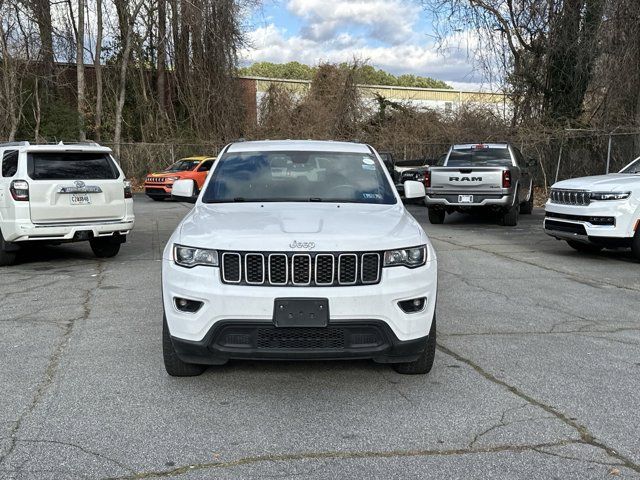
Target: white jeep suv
{"x": 592, "y": 213}
{"x": 298, "y": 250}
{"x": 62, "y": 193}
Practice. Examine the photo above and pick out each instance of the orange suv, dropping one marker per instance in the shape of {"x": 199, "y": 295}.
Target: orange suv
{"x": 158, "y": 186}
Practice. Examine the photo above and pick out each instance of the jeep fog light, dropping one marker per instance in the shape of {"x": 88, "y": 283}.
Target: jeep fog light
{"x": 186, "y": 305}
{"x": 413, "y": 306}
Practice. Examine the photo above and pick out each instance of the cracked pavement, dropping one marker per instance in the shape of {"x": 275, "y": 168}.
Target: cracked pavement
{"x": 537, "y": 373}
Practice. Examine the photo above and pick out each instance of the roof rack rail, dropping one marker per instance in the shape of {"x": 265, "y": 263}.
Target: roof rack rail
{"x": 83, "y": 142}
{"x": 15, "y": 144}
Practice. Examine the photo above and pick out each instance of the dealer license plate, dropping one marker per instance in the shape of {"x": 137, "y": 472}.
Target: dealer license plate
{"x": 80, "y": 199}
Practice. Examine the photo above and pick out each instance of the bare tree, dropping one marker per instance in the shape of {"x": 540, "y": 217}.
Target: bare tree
{"x": 97, "y": 64}
{"x": 127, "y": 22}
{"x": 162, "y": 57}
{"x": 546, "y": 49}
{"x": 82, "y": 133}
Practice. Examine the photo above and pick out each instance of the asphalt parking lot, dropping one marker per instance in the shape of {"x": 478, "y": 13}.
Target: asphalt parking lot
{"x": 537, "y": 373}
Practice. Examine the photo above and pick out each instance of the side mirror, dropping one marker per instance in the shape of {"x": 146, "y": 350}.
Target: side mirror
{"x": 184, "y": 191}
{"x": 413, "y": 189}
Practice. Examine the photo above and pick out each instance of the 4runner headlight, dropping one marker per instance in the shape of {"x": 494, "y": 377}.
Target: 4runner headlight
{"x": 409, "y": 257}
{"x": 190, "y": 257}
{"x": 609, "y": 195}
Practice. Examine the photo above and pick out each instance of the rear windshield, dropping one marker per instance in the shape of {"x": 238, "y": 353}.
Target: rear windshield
{"x": 293, "y": 176}
{"x": 71, "y": 166}
{"x": 485, "y": 157}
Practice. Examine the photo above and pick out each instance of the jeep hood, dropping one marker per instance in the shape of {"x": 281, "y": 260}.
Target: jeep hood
{"x": 276, "y": 226}
{"x": 602, "y": 183}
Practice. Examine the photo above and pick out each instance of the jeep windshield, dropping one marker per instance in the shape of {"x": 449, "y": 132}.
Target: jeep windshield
{"x": 295, "y": 176}
{"x": 182, "y": 165}
{"x": 480, "y": 157}
{"x": 634, "y": 168}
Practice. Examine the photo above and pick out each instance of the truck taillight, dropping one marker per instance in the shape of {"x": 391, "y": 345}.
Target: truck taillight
{"x": 19, "y": 190}
{"x": 127, "y": 189}
{"x": 506, "y": 179}
{"x": 427, "y": 179}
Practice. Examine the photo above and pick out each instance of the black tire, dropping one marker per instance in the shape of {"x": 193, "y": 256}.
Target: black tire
{"x": 584, "y": 247}
{"x": 526, "y": 208}
{"x": 635, "y": 245}
{"x": 7, "y": 258}
{"x": 510, "y": 217}
{"x": 104, "y": 247}
{"x": 436, "y": 216}
{"x": 172, "y": 363}
{"x": 424, "y": 363}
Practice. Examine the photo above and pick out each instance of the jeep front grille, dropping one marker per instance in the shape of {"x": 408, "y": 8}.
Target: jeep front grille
{"x": 155, "y": 179}
{"x": 301, "y": 269}
{"x": 570, "y": 197}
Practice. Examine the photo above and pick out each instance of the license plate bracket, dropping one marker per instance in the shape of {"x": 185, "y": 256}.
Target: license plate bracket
{"x": 301, "y": 312}
{"x": 465, "y": 198}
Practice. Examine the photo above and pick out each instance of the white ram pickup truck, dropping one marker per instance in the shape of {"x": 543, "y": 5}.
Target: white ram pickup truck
{"x": 298, "y": 250}
{"x": 62, "y": 193}
{"x": 486, "y": 176}
{"x": 592, "y": 213}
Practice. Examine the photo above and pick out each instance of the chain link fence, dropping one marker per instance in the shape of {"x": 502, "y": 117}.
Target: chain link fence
{"x": 571, "y": 154}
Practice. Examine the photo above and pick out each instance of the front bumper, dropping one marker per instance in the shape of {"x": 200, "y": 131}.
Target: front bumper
{"x": 480, "y": 199}
{"x": 155, "y": 190}
{"x": 580, "y": 223}
{"x": 27, "y": 231}
{"x": 222, "y": 302}
{"x": 261, "y": 340}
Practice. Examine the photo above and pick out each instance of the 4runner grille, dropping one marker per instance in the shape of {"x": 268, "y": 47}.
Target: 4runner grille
{"x": 301, "y": 269}
{"x": 570, "y": 197}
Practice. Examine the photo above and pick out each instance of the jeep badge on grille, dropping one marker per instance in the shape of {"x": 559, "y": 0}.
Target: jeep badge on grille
{"x": 302, "y": 245}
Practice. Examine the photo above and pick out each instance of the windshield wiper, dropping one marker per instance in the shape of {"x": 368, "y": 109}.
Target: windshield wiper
{"x": 315, "y": 199}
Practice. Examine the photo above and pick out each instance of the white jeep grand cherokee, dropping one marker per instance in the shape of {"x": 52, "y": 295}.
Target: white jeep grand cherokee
{"x": 62, "y": 193}
{"x": 298, "y": 250}
{"x": 592, "y": 213}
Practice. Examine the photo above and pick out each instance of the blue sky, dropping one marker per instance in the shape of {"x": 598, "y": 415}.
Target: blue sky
{"x": 395, "y": 35}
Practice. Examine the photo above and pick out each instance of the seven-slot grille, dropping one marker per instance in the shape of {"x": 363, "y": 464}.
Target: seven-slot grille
{"x": 156, "y": 179}
{"x": 301, "y": 269}
{"x": 570, "y": 197}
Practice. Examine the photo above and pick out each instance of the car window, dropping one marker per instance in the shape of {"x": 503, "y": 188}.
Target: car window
{"x": 183, "y": 166}
{"x": 9, "y": 163}
{"x": 205, "y": 166}
{"x": 634, "y": 168}
{"x": 299, "y": 177}
{"x": 518, "y": 157}
{"x": 479, "y": 155}
{"x": 71, "y": 166}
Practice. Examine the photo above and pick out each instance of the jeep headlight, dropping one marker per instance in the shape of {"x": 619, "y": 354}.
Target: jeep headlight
{"x": 190, "y": 257}
{"x": 609, "y": 195}
{"x": 409, "y": 257}
{"x": 172, "y": 179}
